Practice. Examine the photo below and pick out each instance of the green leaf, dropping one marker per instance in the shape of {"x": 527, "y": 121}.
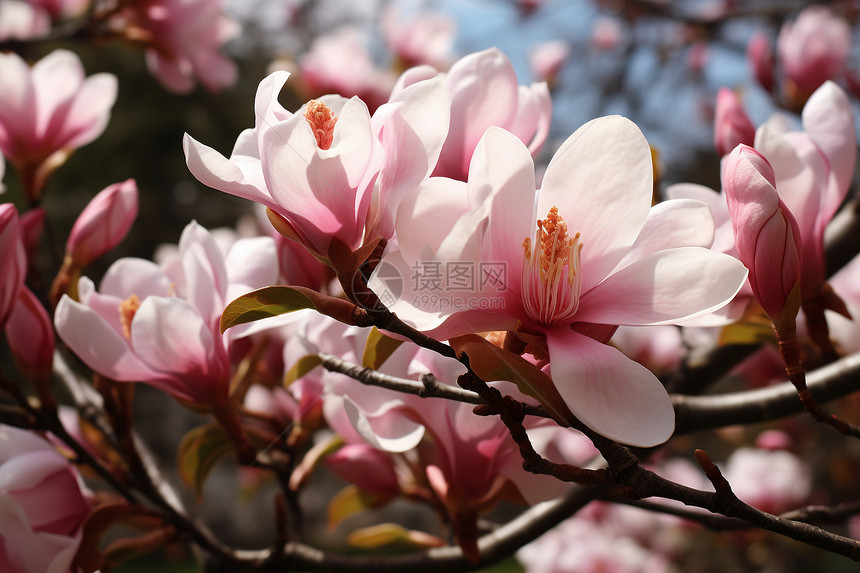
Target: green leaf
{"x": 200, "y": 449}
{"x": 390, "y": 533}
{"x": 276, "y": 300}
{"x": 492, "y": 363}
{"x": 378, "y": 348}
{"x": 350, "y": 501}
{"x": 302, "y": 366}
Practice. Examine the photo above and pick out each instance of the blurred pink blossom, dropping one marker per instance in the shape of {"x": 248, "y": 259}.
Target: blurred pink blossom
{"x": 339, "y": 63}
{"x": 426, "y": 38}
{"x": 21, "y": 20}
{"x": 369, "y": 469}
{"x": 42, "y": 505}
{"x": 774, "y": 481}
{"x": 731, "y": 123}
{"x": 547, "y": 60}
{"x": 606, "y": 33}
{"x": 812, "y": 49}
{"x": 182, "y": 39}
{"x": 761, "y": 60}
{"x": 48, "y": 111}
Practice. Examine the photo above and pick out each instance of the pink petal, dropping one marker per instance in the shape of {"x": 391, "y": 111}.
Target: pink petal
{"x": 90, "y": 110}
{"x": 611, "y": 394}
{"x": 230, "y": 176}
{"x": 95, "y": 342}
{"x": 601, "y": 181}
{"x": 673, "y": 223}
{"x": 829, "y": 121}
{"x": 664, "y": 287}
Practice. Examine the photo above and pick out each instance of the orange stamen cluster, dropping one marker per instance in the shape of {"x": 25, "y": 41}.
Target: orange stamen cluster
{"x": 321, "y": 119}
{"x": 551, "y": 295}
{"x": 127, "y": 309}
{"x": 554, "y": 240}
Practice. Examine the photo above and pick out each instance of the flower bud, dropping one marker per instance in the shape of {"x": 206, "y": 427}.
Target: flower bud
{"x": 103, "y": 223}
{"x": 761, "y": 60}
{"x": 30, "y": 335}
{"x": 732, "y": 126}
{"x": 13, "y": 261}
{"x": 766, "y": 233}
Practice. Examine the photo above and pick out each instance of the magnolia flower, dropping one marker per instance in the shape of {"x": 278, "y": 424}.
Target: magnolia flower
{"x": 21, "y": 20}
{"x": 48, "y": 111}
{"x": 182, "y": 39}
{"x": 424, "y": 39}
{"x": 812, "y": 49}
{"x": 331, "y": 172}
{"x": 42, "y": 505}
{"x": 547, "y": 59}
{"x": 485, "y": 92}
{"x": 813, "y": 170}
{"x": 369, "y": 469}
{"x": 598, "y": 255}
{"x": 161, "y": 325}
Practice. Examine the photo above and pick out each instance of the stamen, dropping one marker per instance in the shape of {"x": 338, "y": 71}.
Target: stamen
{"x": 549, "y": 298}
{"x": 321, "y": 119}
{"x": 127, "y": 309}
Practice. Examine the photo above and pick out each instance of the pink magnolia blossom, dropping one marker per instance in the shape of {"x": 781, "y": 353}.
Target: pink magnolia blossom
{"x": 813, "y": 170}
{"x": 761, "y": 60}
{"x": 426, "y": 38}
{"x": 330, "y": 171}
{"x": 42, "y": 505}
{"x": 103, "y": 223}
{"x": 339, "y": 63}
{"x": 485, "y": 92}
{"x": 606, "y": 33}
{"x": 160, "y": 325}
{"x": 547, "y": 59}
{"x": 48, "y": 111}
{"x": 21, "y": 20}
{"x": 811, "y": 50}
{"x": 774, "y": 481}
{"x": 182, "y": 39}
{"x": 767, "y": 236}
{"x": 13, "y": 260}
{"x": 731, "y": 123}
{"x": 598, "y": 255}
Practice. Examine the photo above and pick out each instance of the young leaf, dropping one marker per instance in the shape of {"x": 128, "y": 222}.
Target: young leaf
{"x": 277, "y": 300}
{"x": 493, "y": 363}
{"x": 391, "y": 533}
{"x": 200, "y": 449}
{"x": 378, "y": 348}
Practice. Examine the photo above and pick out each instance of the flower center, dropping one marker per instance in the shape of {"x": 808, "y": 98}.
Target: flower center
{"x": 127, "y": 308}
{"x": 552, "y": 279}
{"x": 321, "y": 119}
